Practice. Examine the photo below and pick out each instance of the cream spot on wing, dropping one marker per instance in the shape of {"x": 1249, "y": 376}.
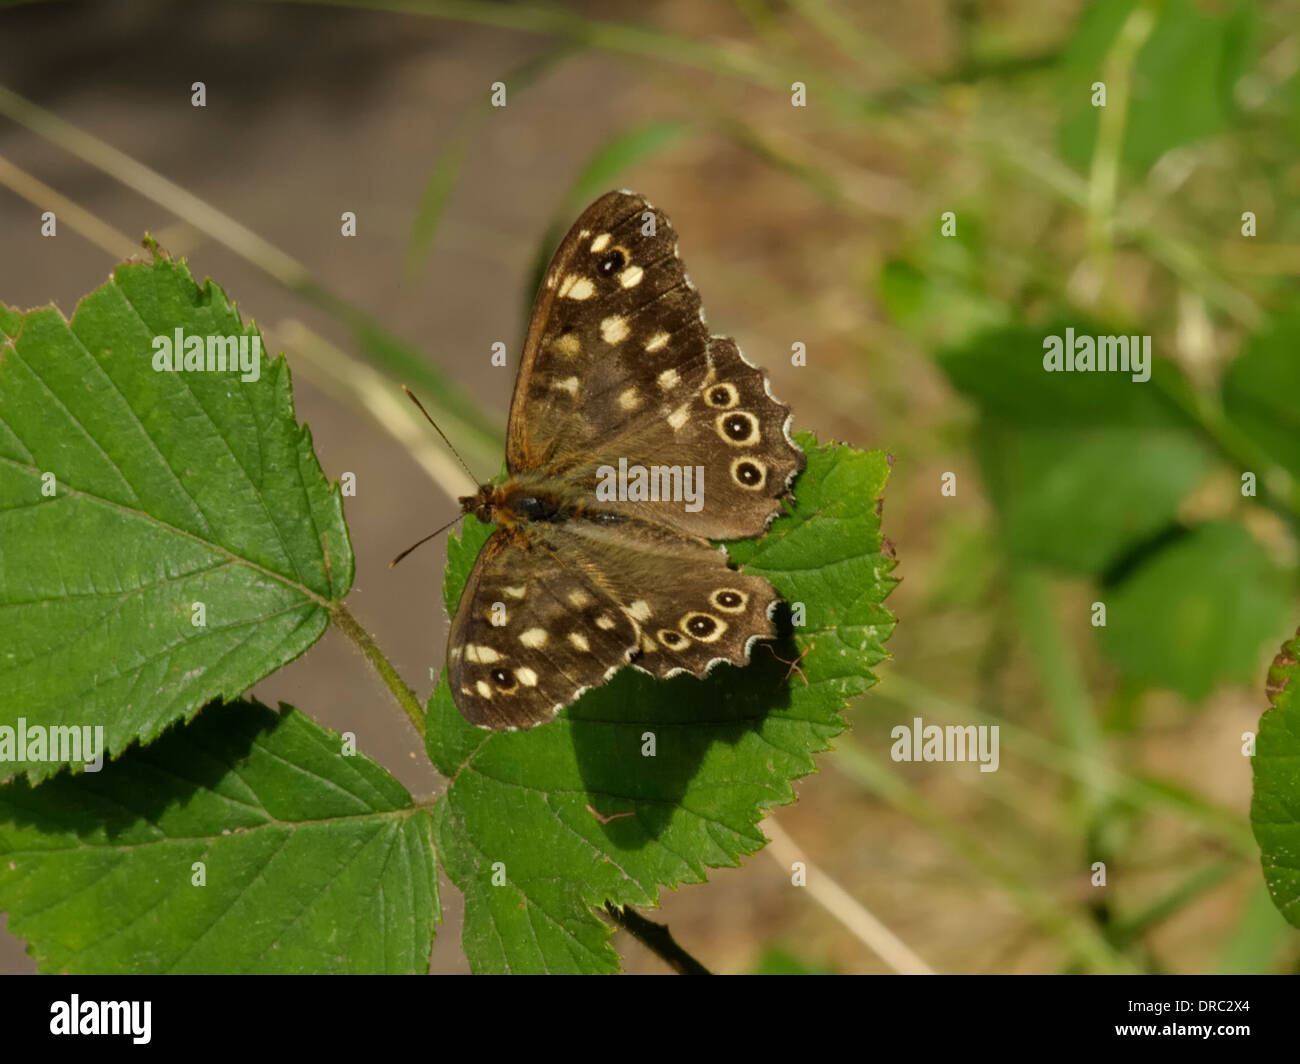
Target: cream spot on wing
{"x": 629, "y": 399}
{"x": 647, "y": 644}
{"x": 480, "y": 655}
{"x": 680, "y": 416}
{"x": 639, "y": 610}
{"x": 668, "y": 379}
{"x": 605, "y": 621}
{"x": 466, "y": 690}
{"x": 579, "y": 640}
{"x": 580, "y": 599}
{"x": 613, "y": 330}
{"x": 534, "y": 638}
{"x": 631, "y": 277}
{"x": 600, "y": 243}
{"x": 514, "y": 592}
{"x": 567, "y": 344}
{"x": 576, "y": 287}
{"x": 550, "y": 280}
{"x": 569, "y": 384}
{"x": 526, "y": 676}
{"x": 484, "y": 689}
{"x": 583, "y": 234}
{"x": 455, "y": 654}
{"x": 657, "y": 342}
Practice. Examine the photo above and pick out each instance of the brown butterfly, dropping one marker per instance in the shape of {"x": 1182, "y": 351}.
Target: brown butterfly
{"x": 635, "y": 438}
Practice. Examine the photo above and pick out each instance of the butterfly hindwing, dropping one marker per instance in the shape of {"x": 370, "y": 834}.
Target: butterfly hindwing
{"x": 729, "y": 432}
{"x": 706, "y": 613}
{"x": 531, "y": 632}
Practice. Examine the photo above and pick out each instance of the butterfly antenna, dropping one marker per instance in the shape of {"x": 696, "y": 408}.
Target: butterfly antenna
{"x": 426, "y": 539}
{"x": 411, "y": 395}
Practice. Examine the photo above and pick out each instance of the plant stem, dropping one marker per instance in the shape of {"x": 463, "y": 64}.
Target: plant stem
{"x": 350, "y": 627}
{"x": 656, "y": 938}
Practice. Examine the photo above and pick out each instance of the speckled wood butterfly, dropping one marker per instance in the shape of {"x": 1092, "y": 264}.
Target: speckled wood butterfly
{"x": 635, "y": 437}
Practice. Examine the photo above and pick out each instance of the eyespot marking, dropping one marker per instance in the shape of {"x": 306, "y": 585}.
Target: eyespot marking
{"x": 672, "y": 640}
{"x": 738, "y": 428}
{"x": 613, "y": 261}
{"x": 504, "y": 680}
{"x": 749, "y": 473}
{"x": 703, "y": 627}
{"x": 729, "y": 600}
{"x": 722, "y": 396}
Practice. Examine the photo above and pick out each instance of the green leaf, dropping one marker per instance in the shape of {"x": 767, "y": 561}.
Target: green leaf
{"x": 168, "y": 489}
{"x": 1082, "y": 466}
{"x": 1182, "y": 78}
{"x": 1198, "y": 613}
{"x": 1079, "y": 499}
{"x": 1261, "y": 388}
{"x": 1002, "y": 371}
{"x": 1275, "y": 805}
{"x": 313, "y": 861}
{"x": 571, "y": 814}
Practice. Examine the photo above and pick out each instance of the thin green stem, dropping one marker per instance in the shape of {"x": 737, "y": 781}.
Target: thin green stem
{"x": 1113, "y": 116}
{"x": 405, "y": 697}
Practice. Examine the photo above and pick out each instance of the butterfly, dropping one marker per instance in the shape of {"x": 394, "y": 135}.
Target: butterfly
{"x": 634, "y": 439}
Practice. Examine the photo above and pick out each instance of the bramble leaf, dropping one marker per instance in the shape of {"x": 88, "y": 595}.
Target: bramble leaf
{"x": 1198, "y": 612}
{"x": 574, "y": 813}
{"x": 311, "y": 861}
{"x": 135, "y": 504}
{"x": 1275, "y": 805}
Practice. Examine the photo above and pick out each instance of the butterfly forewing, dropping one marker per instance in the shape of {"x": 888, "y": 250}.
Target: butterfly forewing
{"x": 615, "y": 311}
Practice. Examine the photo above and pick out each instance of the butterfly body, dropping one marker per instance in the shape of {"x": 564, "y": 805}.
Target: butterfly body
{"x": 635, "y": 439}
